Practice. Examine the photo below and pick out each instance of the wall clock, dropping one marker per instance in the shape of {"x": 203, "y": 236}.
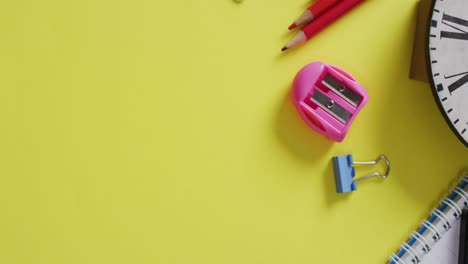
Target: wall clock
{"x": 447, "y": 59}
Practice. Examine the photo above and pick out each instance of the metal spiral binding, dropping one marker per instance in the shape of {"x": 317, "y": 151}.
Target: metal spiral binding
{"x": 422, "y": 241}
{"x": 412, "y": 252}
{"x": 465, "y": 179}
{"x": 398, "y": 259}
{"x": 437, "y": 213}
{"x": 454, "y": 206}
{"x": 434, "y": 230}
{"x": 462, "y": 194}
{"x": 436, "y": 234}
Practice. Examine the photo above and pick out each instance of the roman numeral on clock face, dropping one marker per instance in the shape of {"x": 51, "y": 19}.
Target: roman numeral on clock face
{"x": 459, "y": 25}
{"x": 458, "y": 83}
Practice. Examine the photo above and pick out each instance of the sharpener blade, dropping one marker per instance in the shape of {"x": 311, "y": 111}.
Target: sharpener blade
{"x": 330, "y": 106}
{"x": 340, "y": 89}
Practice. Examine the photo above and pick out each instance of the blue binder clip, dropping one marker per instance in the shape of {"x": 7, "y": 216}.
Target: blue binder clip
{"x": 345, "y": 172}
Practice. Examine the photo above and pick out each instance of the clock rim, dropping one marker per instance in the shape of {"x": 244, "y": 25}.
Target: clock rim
{"x": 431, "y": 78}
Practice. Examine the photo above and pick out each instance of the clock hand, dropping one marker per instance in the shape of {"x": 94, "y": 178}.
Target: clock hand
{"x": 457, "y": 84}
{"x": 455, "y": 75}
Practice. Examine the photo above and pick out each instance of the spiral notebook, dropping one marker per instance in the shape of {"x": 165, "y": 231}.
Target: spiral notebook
{"x": 436, "y": 240}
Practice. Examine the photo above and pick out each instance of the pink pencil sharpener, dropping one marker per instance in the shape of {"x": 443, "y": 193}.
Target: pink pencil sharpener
{"x": 328, "y": 99}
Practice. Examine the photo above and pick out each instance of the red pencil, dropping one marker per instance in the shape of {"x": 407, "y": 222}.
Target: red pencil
{"x": 314, "y": 11}
{"x": 322, "y": 22}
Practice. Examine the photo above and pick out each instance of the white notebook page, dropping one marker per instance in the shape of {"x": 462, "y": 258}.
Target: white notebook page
{"x": 446, "y": 250}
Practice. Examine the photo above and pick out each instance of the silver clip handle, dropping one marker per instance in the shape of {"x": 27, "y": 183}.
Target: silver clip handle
{"x": 374, "y": 174}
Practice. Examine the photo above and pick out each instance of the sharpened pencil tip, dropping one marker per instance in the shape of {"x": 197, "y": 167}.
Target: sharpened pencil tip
{"x": 292, "y": 26}
{"x": 284, "y": 48}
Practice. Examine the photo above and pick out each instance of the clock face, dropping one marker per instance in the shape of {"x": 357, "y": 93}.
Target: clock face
{"x": 448, "y": 59}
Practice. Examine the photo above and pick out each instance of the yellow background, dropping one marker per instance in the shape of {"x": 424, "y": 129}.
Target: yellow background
{"x": 160, "y": 132}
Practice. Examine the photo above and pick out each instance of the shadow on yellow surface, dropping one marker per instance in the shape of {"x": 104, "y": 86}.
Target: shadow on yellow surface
{"x": 300, "y": 140}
